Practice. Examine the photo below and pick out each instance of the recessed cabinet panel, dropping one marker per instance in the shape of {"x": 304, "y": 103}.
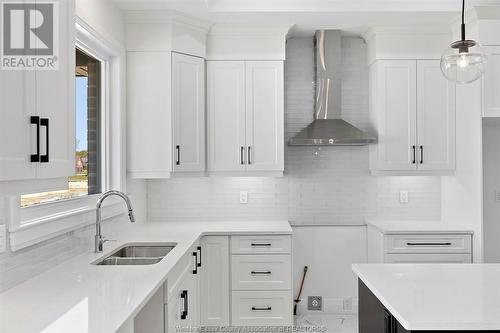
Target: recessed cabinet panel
{"x": 397, "y": 101}
{"x": 264, "y": 115}
{"x": 491, "y": 86}
{"x": 214, "y": 281}
{"x": 226, "y": 116}
{"x": 435, "y": 118}
{"x": 188, "y": 108}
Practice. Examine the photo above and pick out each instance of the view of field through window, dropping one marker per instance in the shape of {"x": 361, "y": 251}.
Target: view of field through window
{"x": 87, "y": 136}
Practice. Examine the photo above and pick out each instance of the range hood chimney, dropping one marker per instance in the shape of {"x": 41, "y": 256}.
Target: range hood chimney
{"x": 328, "y": 129}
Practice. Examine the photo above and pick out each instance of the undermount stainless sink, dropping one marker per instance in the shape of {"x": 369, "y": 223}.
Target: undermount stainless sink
{"x": 137, "y": 254}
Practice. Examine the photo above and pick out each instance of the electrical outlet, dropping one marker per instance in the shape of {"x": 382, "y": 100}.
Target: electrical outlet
{"x": 314, "y": 303}
{"x": 404, "y": 197}
{"x": 497, "y": 196}
{"x": 243, "y": 197}
{"x": 347, "y": 304}
{"x": 3, "y": 238}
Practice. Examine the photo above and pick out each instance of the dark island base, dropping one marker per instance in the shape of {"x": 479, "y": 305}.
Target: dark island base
{"x": 374, "y": 317}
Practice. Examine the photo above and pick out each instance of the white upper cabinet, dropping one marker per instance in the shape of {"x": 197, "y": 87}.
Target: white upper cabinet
{"x": 264, "y": 115}
{"x": 413, "y": 110}
{"x": 226, "y": 115}
{"x": 435, "y": 118}
{"x": 46, "y": 98}
{"x": 188, "y": 108}
{"x": 395, "y": 103}
{"x": 245, "y": 116}
{"x": 491, "y": 80}
{"x": 166, "y": 114}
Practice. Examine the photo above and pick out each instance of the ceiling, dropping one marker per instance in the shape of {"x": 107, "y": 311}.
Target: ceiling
{"x": 351, "y": 16}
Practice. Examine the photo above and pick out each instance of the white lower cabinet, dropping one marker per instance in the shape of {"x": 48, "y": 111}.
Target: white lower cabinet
{"x": 261, "y": 308}
{"x": 214, "y": 281}
{"x": 419, "y": 247}
{"x": 224, "y": 281}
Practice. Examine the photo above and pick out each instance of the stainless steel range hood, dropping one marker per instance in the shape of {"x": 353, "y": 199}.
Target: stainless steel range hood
{"x": 328, "y": 129}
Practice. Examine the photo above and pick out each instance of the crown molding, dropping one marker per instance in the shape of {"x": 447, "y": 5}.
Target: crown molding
{"x": 167, "y": 17}
{"x": 226, "y": 29}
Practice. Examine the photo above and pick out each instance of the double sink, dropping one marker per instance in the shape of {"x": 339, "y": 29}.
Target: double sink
{"x": 137, "y": 254}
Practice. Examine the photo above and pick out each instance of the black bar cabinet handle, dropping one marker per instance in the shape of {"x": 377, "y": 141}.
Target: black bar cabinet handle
{"x": 414, "y": 154}
{"x": 249, "y": 155}
{"x": 421, "y": 154}
{"x": 261, "y": 308}
{"x": 261, "y": 244}
{"x": 45, "y": 122}
{"x": 260, "y": 272}
{"x": 184, "y": 312}
{"x": 35, "y": 120}
{"x": 242, "y": 155}
{"x": 199, "y": 256}
{"x": 195, "y": 255}
{"x": 429, "y": 244}
{"x": 178, "y": 161}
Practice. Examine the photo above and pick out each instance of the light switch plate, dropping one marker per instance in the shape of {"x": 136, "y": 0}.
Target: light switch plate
{"x": 404, "y": 197}
{"x": 497, "y": 196}
{"x": 3, "y": 238}
{"x": 243, "y": 197}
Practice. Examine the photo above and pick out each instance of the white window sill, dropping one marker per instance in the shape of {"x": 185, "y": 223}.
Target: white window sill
{"x": 36, "y": 224}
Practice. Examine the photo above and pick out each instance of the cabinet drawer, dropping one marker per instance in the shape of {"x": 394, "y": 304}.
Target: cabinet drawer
{"x": 429, "y": 258}
{"x": 261, "y": 244}
{"x": 428, "y": 244}
{"x": 261, "y": 272}
{"x": 261, "y": 308}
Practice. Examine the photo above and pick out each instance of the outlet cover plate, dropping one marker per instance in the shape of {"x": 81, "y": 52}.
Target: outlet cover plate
{"x": 314, "y": 303}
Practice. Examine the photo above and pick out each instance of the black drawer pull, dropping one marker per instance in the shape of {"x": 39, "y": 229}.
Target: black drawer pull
{"x": 260, "y": 272}
{"x": 199, "y": 256}
{"x": 414, "y": 154}
{"x": 429, "y": 244}
{"x": 421, "y": 154}
{"x": 261, "y": 308}
{"x": 45, "y": 122}
{"x": 242, "y": 155}
{"x": 195, "y": 269}
{"x": 184, "y": 312}
{"x": 261, "y": 244}
{"x": 35, "y": 120}
{"x": 178, "y": 161}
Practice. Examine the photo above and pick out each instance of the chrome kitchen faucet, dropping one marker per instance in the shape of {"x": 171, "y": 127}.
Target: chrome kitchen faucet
{"x": 99, "y": 239}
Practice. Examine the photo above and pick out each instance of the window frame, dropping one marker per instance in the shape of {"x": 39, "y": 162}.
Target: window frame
{"x": 30, "y": 225}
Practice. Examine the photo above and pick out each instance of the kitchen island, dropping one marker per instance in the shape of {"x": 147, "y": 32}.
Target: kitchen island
{"x": 395, "y": 298}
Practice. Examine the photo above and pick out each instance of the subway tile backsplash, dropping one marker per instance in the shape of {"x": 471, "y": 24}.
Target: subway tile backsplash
{"x": 329, "y": 185}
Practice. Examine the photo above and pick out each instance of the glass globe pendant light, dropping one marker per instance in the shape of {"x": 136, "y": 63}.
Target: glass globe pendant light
{"x": 464, "y": 61}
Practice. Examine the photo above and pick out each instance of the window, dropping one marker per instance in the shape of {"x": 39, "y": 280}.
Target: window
{"x": 88, "y": 171}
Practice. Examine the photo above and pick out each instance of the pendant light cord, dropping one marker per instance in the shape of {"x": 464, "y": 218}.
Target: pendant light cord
{"x": 463, "y": 20}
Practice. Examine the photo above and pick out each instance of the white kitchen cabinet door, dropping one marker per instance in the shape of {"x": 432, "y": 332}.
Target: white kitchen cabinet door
{"x": 183, "y": 296}
{"x": 149, "y": 122}
{"x": 396, "y": 108}
{"x": 188, "y": 109}
{"x": 55, "y": 101}
{"x": 226, "y": 116}
{"x": 47, "y": 94}
{"x": 264, "y": 115}
{"x": 435, "y": 118}
{"x": 17, "y": 136}
{"x": 214, "y": 281}
{"x": 491, "y": 83}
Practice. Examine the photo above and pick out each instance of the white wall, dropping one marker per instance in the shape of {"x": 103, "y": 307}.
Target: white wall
{"x": 491, "y": 185}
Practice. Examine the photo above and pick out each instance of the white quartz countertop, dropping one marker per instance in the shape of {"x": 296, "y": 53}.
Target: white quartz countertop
{"x": 437, "y": 296}
{"x": 391, "y": 226}
{"x": 78, "y": 297}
